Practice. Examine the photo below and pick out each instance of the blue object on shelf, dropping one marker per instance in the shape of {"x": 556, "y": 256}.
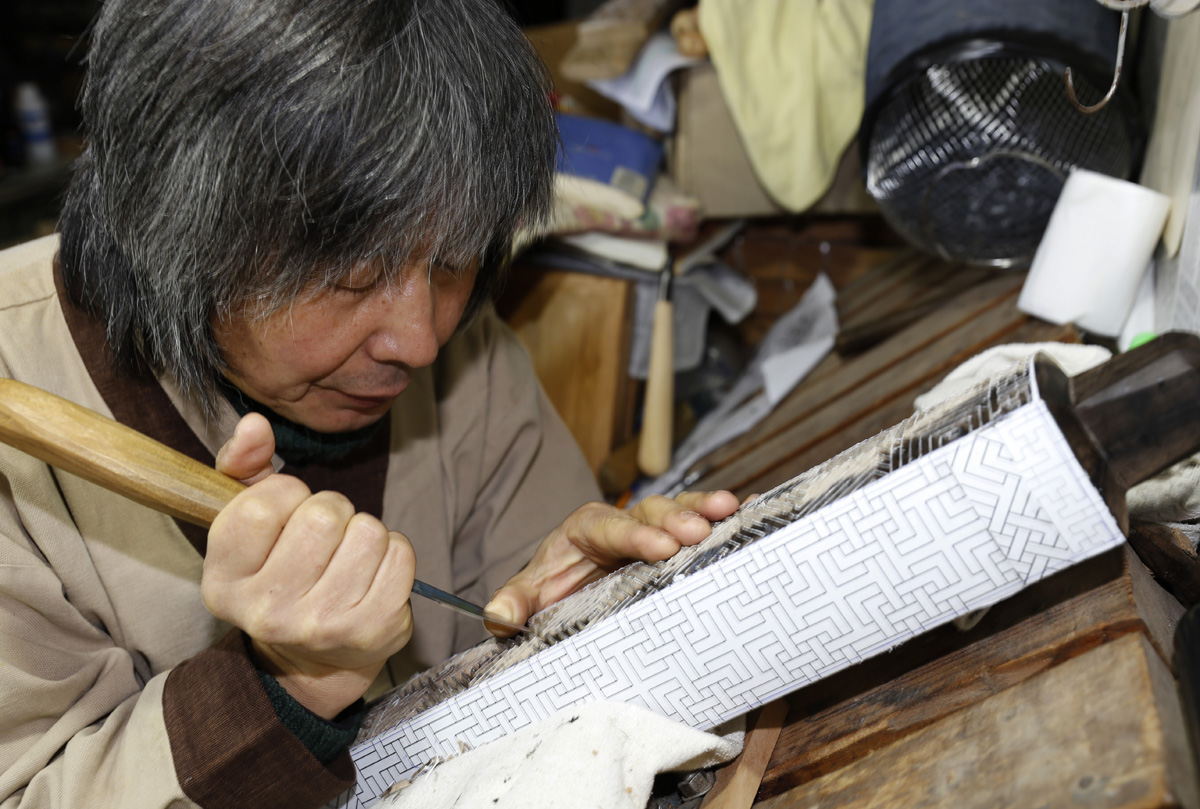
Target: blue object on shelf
{"x": 608, "y": 153}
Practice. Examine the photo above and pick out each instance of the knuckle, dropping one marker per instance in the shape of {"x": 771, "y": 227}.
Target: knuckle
{"x": 619, "y": 521}
{"x": 214, "y": 599}
{"x": 327, "y": 515}
{"x": 404, "y": 624}
{"x": 594, "y": 510}
{"x": 256, "y": 513}
{"x": 402, "y": 549}
{"x": 658, "y": 501}
{"x": 319, "y": 519}
{"x": 264, "y": 623}
{"x": 365, "y": 528}
{"x": 284, "y": 487}
{"x": 319, "y": 634}
{"x": 335, "y": 501}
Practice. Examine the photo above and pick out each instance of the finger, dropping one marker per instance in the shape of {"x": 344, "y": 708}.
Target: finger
{"x": 598, "y": 543}
{"x": 355, "y": 563}
{"x": 622, "y": 537}
{"x": 245, "y": 531}
{"x": 246, "y": 456}
{"x": 676, "y": 517}
{"x": 387, "y": 600}
{"x": 307, "y": 543}
{"x": 514, "y": 603}
{"x": 711, "y": 505}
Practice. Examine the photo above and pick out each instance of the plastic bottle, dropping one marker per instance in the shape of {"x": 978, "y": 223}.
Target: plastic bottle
{"x": 33, "y": 115}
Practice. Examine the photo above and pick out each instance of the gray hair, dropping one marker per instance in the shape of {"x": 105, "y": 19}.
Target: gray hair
{"x": 247, "y": 153}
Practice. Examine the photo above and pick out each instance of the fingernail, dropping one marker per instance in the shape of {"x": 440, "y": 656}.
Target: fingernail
{"x": 238, "y": 429}
{"x": 691, "y": 515}
{"x": 502, "y": 609}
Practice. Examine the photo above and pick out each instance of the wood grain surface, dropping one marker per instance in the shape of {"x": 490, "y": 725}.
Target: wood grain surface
{"x": 1103, "y": 729}
{"x": 96, "y": 448}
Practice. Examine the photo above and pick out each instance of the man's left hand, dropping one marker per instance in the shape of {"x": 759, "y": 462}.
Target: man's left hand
{"x": 598, "y": 538}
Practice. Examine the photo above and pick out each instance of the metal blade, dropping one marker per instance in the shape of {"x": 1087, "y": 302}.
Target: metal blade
{"x": 453, "y": 602}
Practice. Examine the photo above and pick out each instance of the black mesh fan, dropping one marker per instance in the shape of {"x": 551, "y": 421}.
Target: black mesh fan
{"x": 967, "y": 141}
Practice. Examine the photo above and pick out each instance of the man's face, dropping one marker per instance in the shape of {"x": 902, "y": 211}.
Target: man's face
{"x": 334, "y": 362}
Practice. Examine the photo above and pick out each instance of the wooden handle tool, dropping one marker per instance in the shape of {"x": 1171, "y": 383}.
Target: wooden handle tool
{"x": 109, "y": 454}
{"x": 654, "y": 446}
{"x": 122, "y": 460}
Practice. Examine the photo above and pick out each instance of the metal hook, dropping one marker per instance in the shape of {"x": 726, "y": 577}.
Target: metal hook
{"x": 1116, "y": 75}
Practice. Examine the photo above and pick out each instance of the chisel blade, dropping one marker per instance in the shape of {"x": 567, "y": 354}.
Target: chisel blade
{"x": 453, "y": 602}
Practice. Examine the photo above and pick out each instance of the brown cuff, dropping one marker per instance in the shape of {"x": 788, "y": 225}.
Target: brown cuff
{"x": 230, "y": 748}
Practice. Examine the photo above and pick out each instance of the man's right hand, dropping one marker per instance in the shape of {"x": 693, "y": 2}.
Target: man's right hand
{"x": 322, "y": 592}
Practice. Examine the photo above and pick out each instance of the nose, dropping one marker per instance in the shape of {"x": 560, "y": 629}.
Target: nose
{"x": 405, "y": 323}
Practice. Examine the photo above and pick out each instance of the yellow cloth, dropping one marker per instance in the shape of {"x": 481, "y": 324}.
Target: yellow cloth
{"x": 793, "y": 74}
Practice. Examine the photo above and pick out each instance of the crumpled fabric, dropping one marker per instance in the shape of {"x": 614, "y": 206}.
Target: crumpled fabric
{"x": 1172, "y": 496}
{"x": 597, "y": 754}
{"x": 793, "y": 73}
{"x": 998, "y": 361}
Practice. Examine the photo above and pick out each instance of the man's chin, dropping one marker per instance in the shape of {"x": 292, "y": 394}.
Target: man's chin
{"x": 338, "y": 421}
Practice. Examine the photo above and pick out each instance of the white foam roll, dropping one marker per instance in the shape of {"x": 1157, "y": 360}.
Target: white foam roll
{"x": 1095, "y": 250}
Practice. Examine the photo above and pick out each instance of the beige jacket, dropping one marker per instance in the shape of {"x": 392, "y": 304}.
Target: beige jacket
{"x": 117, "y": 687}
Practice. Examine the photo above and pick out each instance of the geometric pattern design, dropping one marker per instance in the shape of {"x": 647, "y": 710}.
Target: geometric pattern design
{"x": 959, "y": 528}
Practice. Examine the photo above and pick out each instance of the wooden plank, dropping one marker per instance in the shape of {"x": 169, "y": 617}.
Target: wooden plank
{"x": 933, "y": 282}
{"x": 890, "y": 407}
{"x": 571, "y": 323}
{"x": 1170, "y": 556}
{"x": 737, "y": 783}
{"x": 879, "y": 284}
{"x": 866, "y": 283}
{"x": 876, "y": 326}
{"x": 782, "y": 262}
{"x": 1102, "y": 729}
{"x": 809, "y": 397}
{"x": 864, "y": 709}
{"x": 784, "y": 456}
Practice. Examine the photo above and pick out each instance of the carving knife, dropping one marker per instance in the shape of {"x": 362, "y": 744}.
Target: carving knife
{"x": 109, "y": 454}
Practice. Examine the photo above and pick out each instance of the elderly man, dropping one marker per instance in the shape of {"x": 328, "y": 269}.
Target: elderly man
{"x": 276, "y": 256}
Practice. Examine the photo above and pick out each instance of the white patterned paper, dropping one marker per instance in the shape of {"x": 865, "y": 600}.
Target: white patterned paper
{"x": 957, "y": 529}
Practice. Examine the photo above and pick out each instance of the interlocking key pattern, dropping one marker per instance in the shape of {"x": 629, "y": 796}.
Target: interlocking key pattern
{"x": 953, "y": 529}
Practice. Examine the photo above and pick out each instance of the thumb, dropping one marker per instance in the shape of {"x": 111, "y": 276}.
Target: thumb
{"x": 512, "y": 603}
{"x": 246, "y": 456}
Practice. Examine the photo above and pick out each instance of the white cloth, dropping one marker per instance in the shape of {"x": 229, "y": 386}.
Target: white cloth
{"x": 793, "y": 75}
{"x": 998, "y": 360}
{"x": 598, "y": 754}
{"x": 1172, "y": 496}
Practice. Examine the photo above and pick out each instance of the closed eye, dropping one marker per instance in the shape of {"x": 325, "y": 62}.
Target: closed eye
{"x": 359, "y": 289}
{"x": 360, "y": 282}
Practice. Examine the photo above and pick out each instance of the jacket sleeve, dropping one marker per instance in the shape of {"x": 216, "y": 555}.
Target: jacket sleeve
{"x": 84, "y": 723}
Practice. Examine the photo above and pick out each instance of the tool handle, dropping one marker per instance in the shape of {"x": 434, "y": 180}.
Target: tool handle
{"x": 96, "y": 448}
{"x": 654, "y": 446}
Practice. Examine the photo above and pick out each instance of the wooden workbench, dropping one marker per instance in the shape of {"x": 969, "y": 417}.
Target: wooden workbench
{"x": 1060, "y": 696}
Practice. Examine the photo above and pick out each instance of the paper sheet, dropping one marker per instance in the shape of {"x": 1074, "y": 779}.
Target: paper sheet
{"x": 791, "y": 349}
{"x": 644, "y": 90}
{"x": 959, "y": 527}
